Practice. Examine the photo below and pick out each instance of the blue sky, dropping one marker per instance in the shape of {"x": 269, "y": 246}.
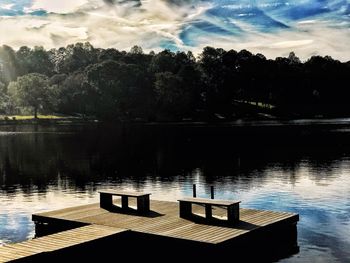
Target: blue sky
{"x": 271, "y": 27}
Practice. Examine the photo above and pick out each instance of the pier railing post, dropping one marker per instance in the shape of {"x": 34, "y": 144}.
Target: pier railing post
{"x": 194, "y": 190}
{"x": 212, "y": 192}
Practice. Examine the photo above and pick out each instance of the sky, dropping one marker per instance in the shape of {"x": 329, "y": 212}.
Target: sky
{"x": 271, "y": 27}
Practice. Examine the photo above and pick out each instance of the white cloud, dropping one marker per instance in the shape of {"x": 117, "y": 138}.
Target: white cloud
{"x": 292, "y": 43}
{"x": 307, "y": 22}
{"x": 58, "y": 6}
{"x": 7, "y": 6}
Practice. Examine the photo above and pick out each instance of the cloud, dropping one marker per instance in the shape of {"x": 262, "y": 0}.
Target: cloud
{"x": 61, "y": 6}
{"x": 292, "y": 43}
{"x": 135, "y": 3}
{"x": 7, "y": 6}
{"x": 273, "y": 28}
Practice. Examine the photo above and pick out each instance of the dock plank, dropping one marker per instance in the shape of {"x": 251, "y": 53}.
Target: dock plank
{"x": 56, "y": 241}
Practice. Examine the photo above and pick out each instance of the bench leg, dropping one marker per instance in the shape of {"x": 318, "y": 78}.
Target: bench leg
{"x": 143, "y": 204}
{"x": 185, "y": 209}
{"x": 233, "y": 214}
{"x": 106, "y": 200}
{"x": 125, "y": 202}
{"x": 208, "y": 211}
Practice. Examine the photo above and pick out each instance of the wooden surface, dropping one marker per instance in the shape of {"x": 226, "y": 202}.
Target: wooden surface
{"x": 124, "y": 193}
{"x": 208, "y": 201}
{"x": 56, "y": 242}
{"x": 164, "y": 220}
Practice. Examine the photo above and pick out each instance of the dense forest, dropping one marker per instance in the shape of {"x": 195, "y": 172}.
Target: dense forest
{"x": 108, "y": 84}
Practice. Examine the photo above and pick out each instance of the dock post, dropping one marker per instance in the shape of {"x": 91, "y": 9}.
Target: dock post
{"x": 125, "y": 202}
{"x": 185, "y": 209}
{"x": 194, "y": 190}
{"x": 212, "y": 192}
{"x": 208, "y": 212}
{"x": 106, "y": 201}
{"x": 233, "y": 213}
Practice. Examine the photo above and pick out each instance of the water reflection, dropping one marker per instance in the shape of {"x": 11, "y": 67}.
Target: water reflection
{"x": 288, "y": 168}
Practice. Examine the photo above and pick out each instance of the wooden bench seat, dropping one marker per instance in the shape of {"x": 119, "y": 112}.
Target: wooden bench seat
{"x": 231, "y": 206}
{"x": 142, "y": 199}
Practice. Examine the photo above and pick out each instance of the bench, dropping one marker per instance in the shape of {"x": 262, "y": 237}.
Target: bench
{"x": 231, "y": 206}
{"x": 143, "y": 204}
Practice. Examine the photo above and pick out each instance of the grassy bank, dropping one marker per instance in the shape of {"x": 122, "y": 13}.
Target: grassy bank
{"x": 29, "y": 119}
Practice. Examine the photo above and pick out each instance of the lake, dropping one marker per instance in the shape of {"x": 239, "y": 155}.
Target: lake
{"x": 299, "y": 166}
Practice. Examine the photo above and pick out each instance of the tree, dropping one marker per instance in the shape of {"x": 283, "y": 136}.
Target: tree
{"x": 35, "y": 60}
{"x": 74, "y": 95}
{"x": 23, "y": 54}
{"x": 163, "y": 61}
{"x": 110, "y": 54}
{"x": 211, "y": 65}
{"x": 40, "y": 62}
{"x": 103, "y": 77}
{"x": 31, "y": 90}
{"x": 58, "y": 57}
{"x": 293, "y": 58}
{"x": 4, "y": 99}
{"x": 172, "y": 99}
{"x": 122, "y": 89}
{"x": 136, "y": 50}
{"x": 76, "y": 57}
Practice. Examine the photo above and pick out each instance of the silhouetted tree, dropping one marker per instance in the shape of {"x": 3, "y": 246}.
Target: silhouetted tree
{"x": 172, "y": 100}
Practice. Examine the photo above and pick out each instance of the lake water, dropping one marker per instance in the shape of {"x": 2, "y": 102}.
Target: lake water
{"x": 298, "y": 166}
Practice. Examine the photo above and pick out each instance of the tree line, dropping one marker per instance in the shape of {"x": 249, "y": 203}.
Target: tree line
{"x": 109, "y": 84}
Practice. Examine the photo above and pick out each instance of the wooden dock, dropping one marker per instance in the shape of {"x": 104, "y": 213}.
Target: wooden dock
{"x": 162, "y": 227}
{"x": 36, "y": 249}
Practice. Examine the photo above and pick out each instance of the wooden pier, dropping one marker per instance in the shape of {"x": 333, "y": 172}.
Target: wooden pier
{"x": 39, "y": 248}
{"x": 162, "y": 229}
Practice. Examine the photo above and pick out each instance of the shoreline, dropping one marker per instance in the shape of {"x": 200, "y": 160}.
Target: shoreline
{"x": 232, "y": 123}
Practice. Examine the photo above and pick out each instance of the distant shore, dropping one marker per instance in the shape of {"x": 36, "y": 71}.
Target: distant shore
{"x": 44, "y": 119}
{"x": 245, "y": 121}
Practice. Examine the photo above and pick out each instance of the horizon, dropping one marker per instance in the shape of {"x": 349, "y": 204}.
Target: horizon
{"x": 273, "y": 28}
